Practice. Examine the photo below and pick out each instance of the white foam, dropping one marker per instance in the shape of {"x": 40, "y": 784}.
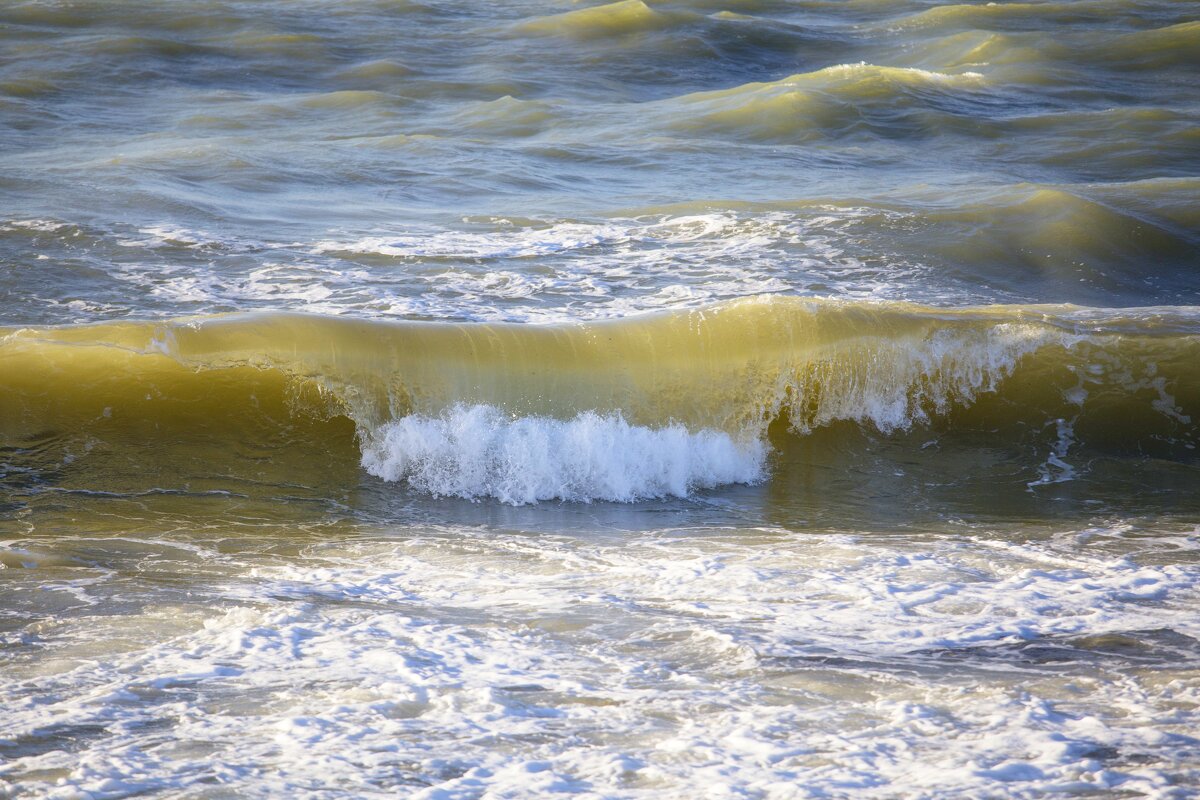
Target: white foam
{"x": 750, "y": 662}
{"x": 41, "y": 225}
{"x": 863, "y": 68}
{"x": 897, "y": 382}
{"x": 605, "y": 268}
{"x": 504, "y": 243}
{"x": 543, "y": 271}
{"x": 478, "y": 451}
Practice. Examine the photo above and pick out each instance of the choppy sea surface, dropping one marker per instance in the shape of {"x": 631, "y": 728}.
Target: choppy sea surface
{"x": 712, "y": 398}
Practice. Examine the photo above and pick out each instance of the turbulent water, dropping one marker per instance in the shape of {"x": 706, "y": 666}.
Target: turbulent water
{"x": 750, "y": 399}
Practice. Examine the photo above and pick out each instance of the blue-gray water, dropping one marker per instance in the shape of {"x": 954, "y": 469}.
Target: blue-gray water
{"x": 748, "y": 399}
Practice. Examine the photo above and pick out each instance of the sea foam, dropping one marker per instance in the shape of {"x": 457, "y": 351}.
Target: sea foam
{"x": 478, "y": 451}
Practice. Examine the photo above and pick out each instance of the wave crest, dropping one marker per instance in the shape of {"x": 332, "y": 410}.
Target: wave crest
{"x": 479, "y": 451}
{"x": 837, "y": 99}
{"x": 611, "y": 19}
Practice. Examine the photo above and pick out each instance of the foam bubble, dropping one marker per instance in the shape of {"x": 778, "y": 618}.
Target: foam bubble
{"x": 477, "y": 451}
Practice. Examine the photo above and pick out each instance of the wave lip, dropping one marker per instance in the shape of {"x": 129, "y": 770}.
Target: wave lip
{"x": 478, "y": 451}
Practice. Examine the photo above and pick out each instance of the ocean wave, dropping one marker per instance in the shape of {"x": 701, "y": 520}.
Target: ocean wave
{"x": 509, "y": 116}
{"x": 649, "y": 406}
{"x": 837, "y": 99}
{"x": 1169, "y": 46}
{"x": 1058, "y": 235}
{"x": 611, "y": 19}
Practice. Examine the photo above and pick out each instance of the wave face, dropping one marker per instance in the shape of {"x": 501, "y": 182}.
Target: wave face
{"x": 645, "y": 407}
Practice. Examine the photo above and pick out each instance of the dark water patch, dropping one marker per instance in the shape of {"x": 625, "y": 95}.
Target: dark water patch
{"x": 68, "y": 737}
{"x": 1159, "y": 648}
{"x": 1037, "y": 656}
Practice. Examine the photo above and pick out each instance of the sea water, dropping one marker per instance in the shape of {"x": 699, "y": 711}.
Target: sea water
{"x": 747, "y": 399}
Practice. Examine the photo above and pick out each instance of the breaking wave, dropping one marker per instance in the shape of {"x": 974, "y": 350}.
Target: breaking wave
{"x": 478, "y": 451}
{"x": 651, "y": 406}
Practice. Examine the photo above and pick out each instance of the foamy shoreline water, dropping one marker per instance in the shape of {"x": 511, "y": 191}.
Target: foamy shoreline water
{"x": 451, "y": 664}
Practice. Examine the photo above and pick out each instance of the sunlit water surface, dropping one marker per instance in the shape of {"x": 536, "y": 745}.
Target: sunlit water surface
{"x": 754, "y": 399}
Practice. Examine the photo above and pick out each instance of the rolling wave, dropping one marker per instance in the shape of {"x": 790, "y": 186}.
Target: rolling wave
{"x": 841, "y": 99}
{"x": 612, "y": 19}
{"x": 621, "y": 410}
